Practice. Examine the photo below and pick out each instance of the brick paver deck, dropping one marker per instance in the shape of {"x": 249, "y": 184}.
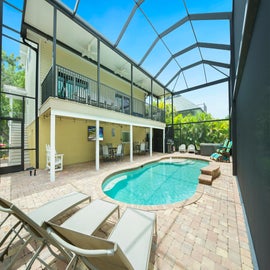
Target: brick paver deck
{"x": 205, "y": 232}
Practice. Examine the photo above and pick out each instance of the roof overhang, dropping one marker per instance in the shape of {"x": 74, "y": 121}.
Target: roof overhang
{"x": 65, "y": 108}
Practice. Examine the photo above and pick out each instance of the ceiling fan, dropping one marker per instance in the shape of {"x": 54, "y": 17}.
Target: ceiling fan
{"x": 90, "y": 51}
{"x": 121, "y": 70}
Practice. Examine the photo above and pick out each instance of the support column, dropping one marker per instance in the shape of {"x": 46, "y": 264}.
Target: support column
{"x": 151, "y": 99}
{"x": 54, "y": 90}
{"x": 97, "y": 145}
{"x": 131, "y": 89}
{"x": 151, "y": 142}
{"x": 172, "y": 109}
{"x": 1, "y": 30}
{"x": 52, "y": 144}
{"x": 131, "y": 142}
{"x": 98, "y": 72}
{"x": 163, "y": 140}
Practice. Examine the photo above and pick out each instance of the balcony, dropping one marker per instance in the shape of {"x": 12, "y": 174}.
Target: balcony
{"x": 76, "y": 87}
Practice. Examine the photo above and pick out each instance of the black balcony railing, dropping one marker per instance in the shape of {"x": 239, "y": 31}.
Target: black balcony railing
{"x": 76, "y": 87}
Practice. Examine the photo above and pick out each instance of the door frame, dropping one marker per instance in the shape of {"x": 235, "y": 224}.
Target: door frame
{"x": 17, "y": 167}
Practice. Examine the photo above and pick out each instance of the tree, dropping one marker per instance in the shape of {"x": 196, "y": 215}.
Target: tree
{"x": 199, "y": 128}
{"x": 168, "y": 111}
{"x": 12, "y": 73}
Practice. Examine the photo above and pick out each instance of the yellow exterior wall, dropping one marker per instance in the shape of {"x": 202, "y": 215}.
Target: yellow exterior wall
{"x": 139, "y": 134}
{"x": 120, "y": 85}
{"x": 112, "y": 81}
{"x": 71, "y": 139}
{"x": 76, "y": 64}
{"x": 31, "y": 137}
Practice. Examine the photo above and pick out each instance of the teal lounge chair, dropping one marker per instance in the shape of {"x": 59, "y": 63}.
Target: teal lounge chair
{"x": 223, "y": 146}
{"x": 220, "y": 149}
{"x": 224, "y": 156}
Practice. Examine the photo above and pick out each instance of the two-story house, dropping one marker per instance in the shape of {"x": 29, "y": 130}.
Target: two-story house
{"x": 80, "y": 80}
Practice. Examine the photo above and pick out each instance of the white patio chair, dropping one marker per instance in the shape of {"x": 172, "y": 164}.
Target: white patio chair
{"x": 182, "y": 148}
{"x": 142, "y": 148}
{"x": 58, "y": 159}
{"x": 191, "y": 148}
{"x": 119, "y": 151}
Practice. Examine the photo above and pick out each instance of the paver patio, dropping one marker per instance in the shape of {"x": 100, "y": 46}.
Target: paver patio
{"x": 206, "y": 232}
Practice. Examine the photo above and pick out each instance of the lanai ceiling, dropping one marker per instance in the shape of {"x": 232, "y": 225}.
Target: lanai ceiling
{"x": 182, "y": 44}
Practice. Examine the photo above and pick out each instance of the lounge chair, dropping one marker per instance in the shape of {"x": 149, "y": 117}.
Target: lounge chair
{"x": 223, "y": 156}
{"x": 93, "y": 215}
{"x": 182, "y": 148}
{"x": 223, "y": 146}
{"x": 220, "y": 149}
{"x": 99, "y": 209}
{"x": 127, "y": 247}
{"x": 46, "y": 212}
{"x": 191, "y": 148}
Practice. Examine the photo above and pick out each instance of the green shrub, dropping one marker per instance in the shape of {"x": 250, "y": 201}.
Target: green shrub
{"x": 199, "y": 128}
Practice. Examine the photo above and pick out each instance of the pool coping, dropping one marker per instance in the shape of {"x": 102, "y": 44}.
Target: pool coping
{"x": 193, "y": 199}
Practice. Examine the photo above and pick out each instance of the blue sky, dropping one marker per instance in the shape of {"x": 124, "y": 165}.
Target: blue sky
{"x": 12, "y": 18}
{"x": 109, "y": 16}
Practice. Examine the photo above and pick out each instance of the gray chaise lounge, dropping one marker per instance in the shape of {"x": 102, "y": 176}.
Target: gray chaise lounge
{"x": 32, "y": 222}
{"x": 127, "y": 247}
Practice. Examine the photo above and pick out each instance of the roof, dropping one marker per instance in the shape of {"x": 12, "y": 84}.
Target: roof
{"x": 174, "y": 45}
{"x": 182, "y": 104}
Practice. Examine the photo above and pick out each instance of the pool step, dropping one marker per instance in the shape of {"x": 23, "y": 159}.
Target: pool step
{"x": 208, "y": 174}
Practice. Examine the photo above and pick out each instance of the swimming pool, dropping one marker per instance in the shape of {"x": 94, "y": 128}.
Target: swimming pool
{"x": 163, "y": 182}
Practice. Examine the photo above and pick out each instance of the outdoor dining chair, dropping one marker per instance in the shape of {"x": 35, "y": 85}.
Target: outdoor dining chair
{"x": 119, "y": 151}
{"x": 105, "y": 152}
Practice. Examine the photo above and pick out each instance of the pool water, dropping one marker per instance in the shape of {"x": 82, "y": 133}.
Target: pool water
{"x": 163, "y": 182}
